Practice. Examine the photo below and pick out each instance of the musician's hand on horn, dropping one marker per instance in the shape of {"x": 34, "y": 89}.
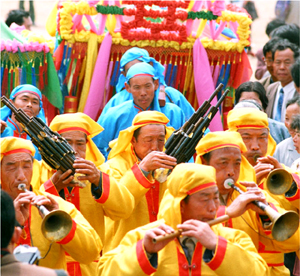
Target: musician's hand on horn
{"x": 88, "y": 170}
{"x": 49, "y": 202}
{"x": 244, "y": 201}
{"x": 150, "y": 234}
{"x": 62, "y": 180}
{"x": 201, "y": 231}
{"x": 264, "y": 166}
{"x": 157, "y": 159}
{"x": 22, "y": 204}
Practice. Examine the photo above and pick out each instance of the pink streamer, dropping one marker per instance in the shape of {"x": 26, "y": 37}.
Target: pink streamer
{"x": 76, "y": 21}
{"x": 102, "y": 21}
{"x": 233, "y": 26}
{"x": 203, "y": 81}
{"x": 219, "y": 30}
{"x": 212, "y": 28}
{"x": 92, "y": 24}
{"x": 216, "y": 74}
{"x": 97, "y": 87}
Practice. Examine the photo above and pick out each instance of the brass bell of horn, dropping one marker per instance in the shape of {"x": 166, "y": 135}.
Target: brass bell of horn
{"x": 56, "y": 224}
{"x": 279, "y": 181}
{"x": 284, "y": 225}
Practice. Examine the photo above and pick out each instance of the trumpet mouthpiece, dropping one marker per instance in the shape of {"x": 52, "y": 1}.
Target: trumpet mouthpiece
{"x": 22, "y": 187}
{"x": 228, "y": 183}
{"x": 255, "y": 157}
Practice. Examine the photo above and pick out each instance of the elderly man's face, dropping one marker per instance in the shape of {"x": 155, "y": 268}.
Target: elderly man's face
{"x": 142, "y": 89}
{"x": 202, "y": 205}
{"x": 296, "y": 140}
{"x": 77, "y": 140}
{"x": 291, "y": 110}
{"x": 256, "y": 141}
{"x": 28, "y": 102}
{"x": 151, "y": 138}
{"x": 227, "y": 162}
{"x": 16, "y": 169}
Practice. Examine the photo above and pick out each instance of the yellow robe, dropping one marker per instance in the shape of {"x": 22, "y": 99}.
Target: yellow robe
{"x": 82, "y": 243}
{"x": 146, "y": 191}
{"x": 235, "y": 255}
{"x": 270, "y": 249}
{"x": 115, "y": 202}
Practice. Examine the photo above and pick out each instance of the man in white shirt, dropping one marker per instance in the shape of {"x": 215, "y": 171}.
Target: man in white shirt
{"x": 284, "y": 55}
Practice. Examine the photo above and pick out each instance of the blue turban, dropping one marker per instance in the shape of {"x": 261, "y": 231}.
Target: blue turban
{"x": 24, "y": 88}
{"x": 141, "y": 55}
{"x": 140, "y": 69}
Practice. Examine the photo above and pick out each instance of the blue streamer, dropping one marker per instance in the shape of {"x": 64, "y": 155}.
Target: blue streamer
{"x": 167, "y": 78}
{"x": 2, "y": 72}
{"x": 227, "y": 75}
{"x": 112, "y": 81}
{"x": 174, "y": 74}
{"x": 23, "y": 77}
{"x": 33, "y": 76}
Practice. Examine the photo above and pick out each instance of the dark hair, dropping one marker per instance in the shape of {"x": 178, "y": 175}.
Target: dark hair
{"x": 16, "y": 16}
{"x": 274, "y": 24}
{"x": 290, "y": 32}
{"x": 8, "y": 219}
{"x": 186, "y": 199}
{"x": 136, "y": 133}
{"x": 295, "y": 125}
{"x": 207, "y": 157}
{"x": 295, "y": 72}
{"x": 283, "y": 45}
{"x": 293, "y": 100}
{"x": 254, "y": 86}
{"x": 268, "y": 47}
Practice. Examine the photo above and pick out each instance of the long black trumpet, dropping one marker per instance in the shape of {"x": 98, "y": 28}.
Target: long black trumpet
{"x": 54, "y": 149}
{"x": 182, "y": 144}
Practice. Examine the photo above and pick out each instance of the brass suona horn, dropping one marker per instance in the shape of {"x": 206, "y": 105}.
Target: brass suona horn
{"x": 284, "y": 225}
{"x": 56, "y": 224}
{"x": 279, "y": 181}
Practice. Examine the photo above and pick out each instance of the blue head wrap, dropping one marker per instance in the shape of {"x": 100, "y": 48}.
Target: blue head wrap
{"x": 24, "y": 88}
{"x": 140, "y": 69}
{"x": 141, "y": 55}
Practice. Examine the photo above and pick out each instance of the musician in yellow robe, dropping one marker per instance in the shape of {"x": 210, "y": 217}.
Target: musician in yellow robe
{"x": 82, "y": 242}
{"x": 102, "y": 196}
{"x": 254, "y": 129}
{"x": 224, "y": 151}
{"x": 134, "y": 155}
{"x": 192, "y": 199}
